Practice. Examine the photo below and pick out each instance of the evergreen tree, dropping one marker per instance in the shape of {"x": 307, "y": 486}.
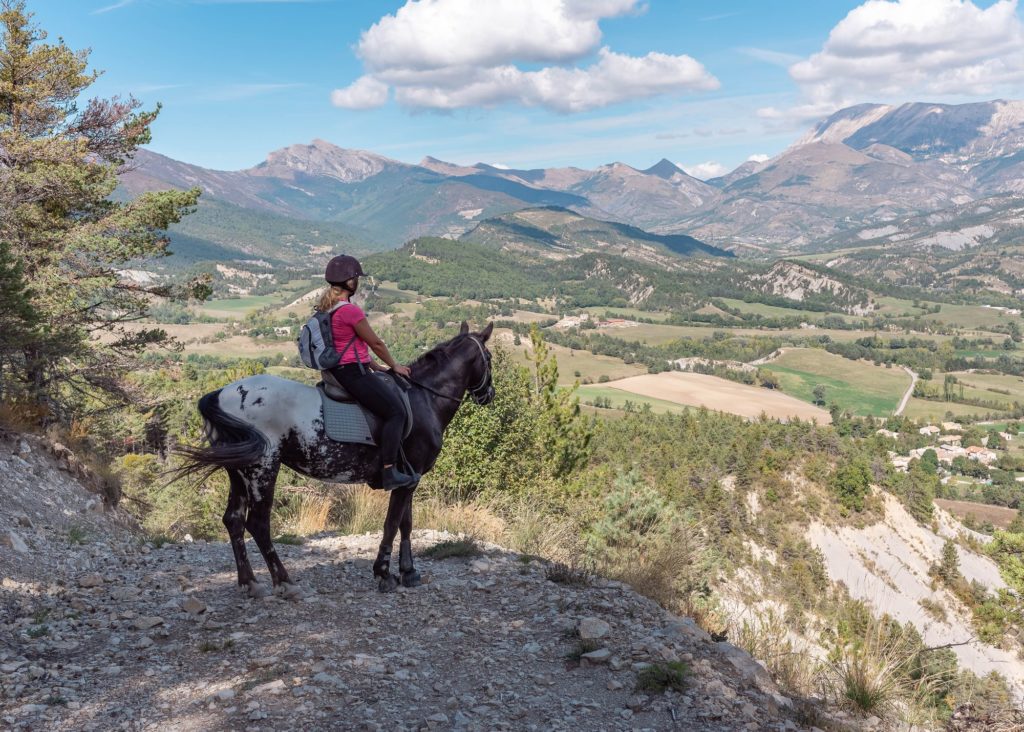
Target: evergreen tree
{"x": 59, "y": 165}
{"x": 948, "y": 569}
{"x": 17, "y": 318}
{"x": 567, "y": 433}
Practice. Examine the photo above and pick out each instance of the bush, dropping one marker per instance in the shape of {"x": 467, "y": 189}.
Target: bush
{"x": 852, "y": 484}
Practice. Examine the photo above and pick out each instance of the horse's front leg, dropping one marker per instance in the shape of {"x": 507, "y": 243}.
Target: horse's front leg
{"x": 410, "y": 577}
{"x": 382, "y": 567}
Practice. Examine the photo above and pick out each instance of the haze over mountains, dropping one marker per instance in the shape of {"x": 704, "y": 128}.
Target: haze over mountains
{"x": 851, "y": 179}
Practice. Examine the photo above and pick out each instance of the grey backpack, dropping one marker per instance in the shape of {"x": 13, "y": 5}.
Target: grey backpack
{"x": 316, "y": 341}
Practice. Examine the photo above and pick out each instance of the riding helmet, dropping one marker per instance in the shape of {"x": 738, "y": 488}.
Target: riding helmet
{"x": 343, "y": 268}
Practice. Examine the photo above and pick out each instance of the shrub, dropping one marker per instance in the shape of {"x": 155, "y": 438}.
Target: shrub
{"x": 661, "y": 677}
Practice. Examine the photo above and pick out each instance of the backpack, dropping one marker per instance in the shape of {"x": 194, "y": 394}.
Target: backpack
{"x": 316, "y": 341}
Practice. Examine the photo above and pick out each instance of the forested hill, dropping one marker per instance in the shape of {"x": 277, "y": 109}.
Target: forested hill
{"x": 470, "y": 270}
{"x": 553, "y": 231}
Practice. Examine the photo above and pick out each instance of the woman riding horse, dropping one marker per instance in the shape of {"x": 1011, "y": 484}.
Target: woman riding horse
{"x": 354, "y": 339}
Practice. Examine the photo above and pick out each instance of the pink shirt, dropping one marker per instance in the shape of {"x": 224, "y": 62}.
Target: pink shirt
{"x": 343, "y": 322}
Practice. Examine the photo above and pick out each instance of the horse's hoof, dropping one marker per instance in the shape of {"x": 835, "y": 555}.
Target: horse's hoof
{"x": 257, "y": 591}
{"x": 411, "y": 578}
{"x": 388, "y": 584}
{"x": 290, "y": 591}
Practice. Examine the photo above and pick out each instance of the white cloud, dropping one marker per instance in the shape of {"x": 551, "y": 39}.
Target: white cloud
{"x": 364, "y": 93}
{"x": 759, "y": 158}
{"x": 906, "y": 50}
{"x": 447, "y": 54}
{"x": 709, "y": 169}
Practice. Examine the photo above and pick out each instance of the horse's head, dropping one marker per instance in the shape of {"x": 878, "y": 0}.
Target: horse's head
{"x": 480, "y": 383}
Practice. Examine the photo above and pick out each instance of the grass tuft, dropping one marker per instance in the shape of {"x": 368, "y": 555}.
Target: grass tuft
{"x": 581, "y": 646}
{"x": 452, "y": 548}
{"x": 661, "y": 677}
{"x": 289, "y": 539}
{"x": 574, "y": 574}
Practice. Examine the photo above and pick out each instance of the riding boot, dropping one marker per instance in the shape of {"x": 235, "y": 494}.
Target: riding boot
{"x": 392, "y": 478}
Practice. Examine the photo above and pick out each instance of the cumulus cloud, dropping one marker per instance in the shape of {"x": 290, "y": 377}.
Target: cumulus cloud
{"x": 911, "y": 49}
{"x": 758, "y": 158}
{"x": 447, "y": 54}
{"x": 709, "y": 169}
{"x": 364, "y": 93}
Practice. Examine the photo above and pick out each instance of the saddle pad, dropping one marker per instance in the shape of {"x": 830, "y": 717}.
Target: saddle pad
{"x": 346, "y": 421}
{"x": 350, "y": 422}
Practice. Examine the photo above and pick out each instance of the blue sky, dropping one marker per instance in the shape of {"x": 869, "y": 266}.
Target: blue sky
{"x": 705, "y": 84}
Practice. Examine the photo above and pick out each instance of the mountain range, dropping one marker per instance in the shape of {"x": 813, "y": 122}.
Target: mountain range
{"x": 862, "y": 170}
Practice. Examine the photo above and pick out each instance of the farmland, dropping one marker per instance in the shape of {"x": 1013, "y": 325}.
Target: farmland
{"x": 856, "y": 386}
{"x": 700, "y": 390}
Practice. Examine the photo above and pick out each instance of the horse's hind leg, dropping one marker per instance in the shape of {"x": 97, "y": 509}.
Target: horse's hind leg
{"x": 410, "y": 576}
{"x": 234, "y": 522}
{"x": 382, "y": 567}
{"x": 260, "y": 482}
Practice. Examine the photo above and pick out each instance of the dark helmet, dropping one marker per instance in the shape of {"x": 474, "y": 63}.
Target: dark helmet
{"x": 343, "y": 268}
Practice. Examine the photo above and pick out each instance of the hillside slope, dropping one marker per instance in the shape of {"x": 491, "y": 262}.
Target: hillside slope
{"x": 106, "y": 631}
{"x": 558, "y": 232}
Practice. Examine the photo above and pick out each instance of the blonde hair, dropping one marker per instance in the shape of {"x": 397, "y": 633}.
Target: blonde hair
{"x": 330, "y": 297}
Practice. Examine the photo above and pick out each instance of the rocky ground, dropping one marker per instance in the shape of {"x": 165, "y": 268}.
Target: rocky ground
{"x": 100, "y": 630}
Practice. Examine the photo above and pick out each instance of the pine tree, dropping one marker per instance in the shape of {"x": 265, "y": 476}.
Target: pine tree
{"x": 59, "y": 166}
{"x": 567, "y": 432}
{"x": 17, "y": 318}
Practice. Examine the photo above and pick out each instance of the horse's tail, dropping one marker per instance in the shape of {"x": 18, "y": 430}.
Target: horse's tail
{"x": 234, "y": 444}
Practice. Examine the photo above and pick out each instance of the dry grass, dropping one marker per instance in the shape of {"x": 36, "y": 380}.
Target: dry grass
{"x": 871, "y": 676}
{"x": 313, "y": 515}
{"x": 765, "y": 636}
{"x": 360, "y": 510}
{"x": 670, "y": 570}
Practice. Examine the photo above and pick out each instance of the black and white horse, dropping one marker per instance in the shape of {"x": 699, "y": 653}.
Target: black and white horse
{"x": 259, "y": 422}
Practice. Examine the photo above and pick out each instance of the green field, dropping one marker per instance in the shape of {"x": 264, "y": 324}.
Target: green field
{"x": 774, "y": 311}
{"x": 898, "y": 307}
{"x": 619, "y": 398}
{"x": 589, "y": 365}
{"x": 930, "y": 411}
{"x": 856, "y": 386}
{"x": 629, "y": 313}
{"x": 238, "y": 307}
{"x": 972, "y": 316}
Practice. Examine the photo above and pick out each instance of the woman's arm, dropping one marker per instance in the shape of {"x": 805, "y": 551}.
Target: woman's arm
{"x": 367, "y": 334}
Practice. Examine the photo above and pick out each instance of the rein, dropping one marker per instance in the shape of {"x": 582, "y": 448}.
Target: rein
{"x": 473, "y": 391}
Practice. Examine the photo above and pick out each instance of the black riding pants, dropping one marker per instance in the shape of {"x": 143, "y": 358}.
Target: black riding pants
{"x": 376, "y": 395}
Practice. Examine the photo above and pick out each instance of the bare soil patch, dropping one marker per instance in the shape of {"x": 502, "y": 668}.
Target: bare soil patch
{"x": 700, "y": 390}
{"x": 998, "y": 516}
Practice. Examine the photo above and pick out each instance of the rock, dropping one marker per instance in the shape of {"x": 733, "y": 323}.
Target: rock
{"x": 593, "y": 629}
{"x": 90, "y": 580}
{"x": 24, "y": 448}
{"x": 193, "y": 606}
{"x": 271, "y": 687}
{"x": 614, "y": 685}
{"x": 11, "y": 540}
{"x": 146, "y": 622}
{"x": 437, "y": 721}
{"x": 748, "y": 667}
{"x": 225, "y": 694}
{"x": 637, "y": 702}
{"x": 595, "y": 658}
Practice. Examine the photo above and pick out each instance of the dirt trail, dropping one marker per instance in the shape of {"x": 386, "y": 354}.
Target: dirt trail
{"x": 909, "y": 393}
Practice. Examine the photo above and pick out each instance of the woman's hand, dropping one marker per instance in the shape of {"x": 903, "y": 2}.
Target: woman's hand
{"x": 401, "y": 370}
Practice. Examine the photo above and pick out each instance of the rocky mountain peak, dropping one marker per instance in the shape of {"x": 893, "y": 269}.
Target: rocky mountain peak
{"x": 322, "y": 158}
{"x": 665, "y": 168}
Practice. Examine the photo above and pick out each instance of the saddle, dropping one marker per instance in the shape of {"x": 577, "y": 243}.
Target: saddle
{"x": 345, "y": 420}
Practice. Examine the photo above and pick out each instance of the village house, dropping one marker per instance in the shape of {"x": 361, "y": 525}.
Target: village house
{"x": 952, "y": 427}
{"x": 980, "y": 454}
{"x": 950, "y": 439}
{"x": 929, "y": 430}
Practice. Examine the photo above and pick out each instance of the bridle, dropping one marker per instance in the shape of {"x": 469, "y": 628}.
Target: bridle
{"x": 480, "y": 392}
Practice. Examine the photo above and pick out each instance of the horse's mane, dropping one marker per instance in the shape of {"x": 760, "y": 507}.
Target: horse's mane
{"x": 439, "y": 353}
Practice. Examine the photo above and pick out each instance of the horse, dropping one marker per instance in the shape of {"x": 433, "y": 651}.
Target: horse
{"x": 256, "y": 424}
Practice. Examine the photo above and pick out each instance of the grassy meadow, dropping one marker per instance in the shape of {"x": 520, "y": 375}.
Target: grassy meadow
{"x": 857, "y": 386}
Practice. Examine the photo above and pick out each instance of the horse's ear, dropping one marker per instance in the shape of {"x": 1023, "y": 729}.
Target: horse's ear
{"x": 464, "y": 330}
{"x": 486, "y": 332}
